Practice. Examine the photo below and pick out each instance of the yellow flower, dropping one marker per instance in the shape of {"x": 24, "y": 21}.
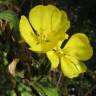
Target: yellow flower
{"x": 45, "y": 28}
{"x": 77, "y": 49}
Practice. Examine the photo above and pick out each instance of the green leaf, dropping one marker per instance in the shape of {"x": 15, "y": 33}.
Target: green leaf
{"x": 13, "y": 20}
{"x": 12, "y": 93}
{"x": 38, "y": 89}
{"x": 3, "y": 58}
{"x": 6, "y": 1}
{"x": 45, "y": 89}
{"x": 24, "y": 90}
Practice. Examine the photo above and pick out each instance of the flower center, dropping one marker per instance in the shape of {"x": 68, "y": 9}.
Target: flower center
{"x": 60, "y": 51}
{"x": 42, "y": 38}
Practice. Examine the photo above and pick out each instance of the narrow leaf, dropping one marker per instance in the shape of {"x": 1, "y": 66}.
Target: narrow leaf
{"x": 13, "y": 20}
{"x": 5, "y": 1}
{"x": 45, "y": 89}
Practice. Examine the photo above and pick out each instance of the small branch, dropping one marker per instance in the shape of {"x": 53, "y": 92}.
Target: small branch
{"x": 60, "y": 77}
{"x": 22, "y": 3}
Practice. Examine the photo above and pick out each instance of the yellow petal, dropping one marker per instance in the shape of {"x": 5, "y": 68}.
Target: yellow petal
{"x": 31, "y": 39}
{"x": 27, "y": 32}
{"x": 50, "y": 21}
{"x": 58, "y": 46}
{"x": 43, "y": 47}
{"x": 59, "y": 29}
{"x": 63, "y": 26}
{"x": 36, "y": 15}
{"x": 79, "y": 46}
{"x": 41, "y": 17}
{"x": 52, "y": 16}
{"x": 54, "y": 59}
{"x": 29, "y": 36}
{"x": 71, "y": 67}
